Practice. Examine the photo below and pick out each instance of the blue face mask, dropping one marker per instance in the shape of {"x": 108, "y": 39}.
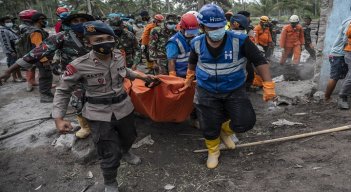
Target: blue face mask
{"x": 216, "y": 35}
{"x": 77, "y": 28}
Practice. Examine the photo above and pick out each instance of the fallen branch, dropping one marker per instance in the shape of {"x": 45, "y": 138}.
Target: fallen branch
{"x": 21, "y": 130}
{"x": 293, "y": 137}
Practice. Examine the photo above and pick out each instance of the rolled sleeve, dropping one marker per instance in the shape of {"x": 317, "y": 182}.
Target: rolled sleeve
{"x": 23, "y": 63}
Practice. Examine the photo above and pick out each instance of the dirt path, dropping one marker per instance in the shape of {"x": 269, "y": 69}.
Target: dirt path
{"x": 320, "y": 163}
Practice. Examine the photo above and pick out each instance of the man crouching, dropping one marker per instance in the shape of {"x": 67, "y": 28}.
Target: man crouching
{"x": 108, "y": 107}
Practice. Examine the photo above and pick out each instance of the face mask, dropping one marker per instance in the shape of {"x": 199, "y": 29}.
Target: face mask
{"x": 170, "y": 26}
{"x": 77, "y": 28}
{"x": 216, "y": 35}
{"x": 104, "y": 48}
{"x": 9, "y": 25}
{"x": 45, "y": 24}
{"x": 140, "y": 25}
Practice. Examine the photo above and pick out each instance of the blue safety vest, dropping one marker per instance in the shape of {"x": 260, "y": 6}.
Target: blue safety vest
{"x": 224, "y": 73}
{"x": 181, "y": 64}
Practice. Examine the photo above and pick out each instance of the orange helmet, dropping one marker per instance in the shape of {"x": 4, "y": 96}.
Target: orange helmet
{"x": 61, "y": 10}
{"x": 159, "y": 17}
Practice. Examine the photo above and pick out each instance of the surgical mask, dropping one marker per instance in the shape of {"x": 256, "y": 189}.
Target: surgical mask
{"x": 140, "y": 25}
{"x": 104, "y": 48}
{"x": 170, "y": 26}
{"x": 9, "y": 25}
{"x": 45, "y": 24}
{"x": 216, "y": 35}
{"x": 77, "y": 28}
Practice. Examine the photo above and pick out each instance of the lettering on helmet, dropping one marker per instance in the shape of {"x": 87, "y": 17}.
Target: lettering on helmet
{"x": 214, "y": 19}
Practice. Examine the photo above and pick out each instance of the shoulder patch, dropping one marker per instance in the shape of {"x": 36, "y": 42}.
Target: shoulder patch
{"x": 70, "y": 70}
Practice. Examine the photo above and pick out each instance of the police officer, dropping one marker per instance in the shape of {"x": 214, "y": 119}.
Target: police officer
{"x": 65, "y": 46}
{"x": 109, "y": 109}
{"x": 219, "y": 57}
{"x": 158, "y": 40}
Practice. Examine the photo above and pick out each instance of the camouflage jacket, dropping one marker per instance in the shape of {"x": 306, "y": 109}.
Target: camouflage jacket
{"x": 307, "y": 33}
{"x": 129, "y": 44}
{"x": 158, "y": 40}
{"x": 65, "y": 44}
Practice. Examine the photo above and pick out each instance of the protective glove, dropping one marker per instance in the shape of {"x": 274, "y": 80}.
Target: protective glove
{"x": 142, "y": 47}
{"x": 190, "y": 75}
{"x": 268, "y": 90}
{"x": 172, "y": 74}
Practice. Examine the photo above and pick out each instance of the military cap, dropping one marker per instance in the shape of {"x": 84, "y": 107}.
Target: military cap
{"x": 97, "y": 28}
{"x": 241, "y": 19}
{"x": 76, "y": 14}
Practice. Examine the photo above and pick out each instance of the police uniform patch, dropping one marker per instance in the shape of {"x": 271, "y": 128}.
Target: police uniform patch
{"x": 70, "y": 70}
{"x": 90, "y": 28}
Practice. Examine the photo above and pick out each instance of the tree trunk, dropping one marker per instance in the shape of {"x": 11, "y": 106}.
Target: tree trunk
{"x": 168, "y": 6}
{"x": 200, "y": 3}
{"x": 90, "y": 12}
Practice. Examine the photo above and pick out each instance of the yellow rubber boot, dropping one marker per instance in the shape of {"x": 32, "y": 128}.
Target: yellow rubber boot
{"x": 84, "y": 130}
{"x": 226, "y": 135}
{"x": 213, "y": 152}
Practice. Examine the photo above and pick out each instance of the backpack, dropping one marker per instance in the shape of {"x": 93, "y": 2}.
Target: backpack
{"x": 23, "y": 45}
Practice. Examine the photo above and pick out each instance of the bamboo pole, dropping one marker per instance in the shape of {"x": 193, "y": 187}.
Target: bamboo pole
{"x": 293, "y": 137}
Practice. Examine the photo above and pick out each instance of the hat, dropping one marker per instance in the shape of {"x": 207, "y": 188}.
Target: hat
{"x": 2, "y": 19}
{"x": 36, "y": 17}
{"x": 241, "y": 19}
{"x": 144, "y": 14}
{"x": 76, "y": 14}
{"x": 97, "y": 28}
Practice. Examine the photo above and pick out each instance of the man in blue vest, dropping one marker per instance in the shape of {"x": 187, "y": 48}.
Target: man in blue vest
{"x": 218, "y": 59}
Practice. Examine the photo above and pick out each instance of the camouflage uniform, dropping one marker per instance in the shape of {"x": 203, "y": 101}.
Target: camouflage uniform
{"x": 308, "y": 41}
{"x": 128, "y": 43}
{"x": 157, "y": 47}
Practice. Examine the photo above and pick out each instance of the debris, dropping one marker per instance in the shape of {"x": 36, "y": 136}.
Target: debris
{"x": 278, "y": 79}
{"x": 169, "y": 187}
{"x": 249, "y": 154}
{"x": 318, "y": 96}
{"x": 145, "y": 141}
{"x": 87, "y": 187}
{"x": 298, "y": 166}
{"x": 282, "y": 122}
{"x": 300, "y": 114}
{"x": 315, "y": 168}
{"x": 90, "y": 175}
{"x": 36, "y": 189}
{"x": 66, "y": 141}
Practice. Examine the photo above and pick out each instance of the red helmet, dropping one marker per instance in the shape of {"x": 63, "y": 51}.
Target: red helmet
{"x": 26, "y": 15}
{"x": 61, "y": 10}
{"x": 189, "y": 22}
{"x": 159, "y": 17}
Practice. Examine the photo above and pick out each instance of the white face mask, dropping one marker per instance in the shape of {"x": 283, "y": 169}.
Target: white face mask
{"x": 9, "y": 25}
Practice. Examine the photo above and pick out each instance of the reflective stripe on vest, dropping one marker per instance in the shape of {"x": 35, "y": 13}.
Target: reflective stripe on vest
{"x": 181, "y": 64}
{"x": 222, "y": 74}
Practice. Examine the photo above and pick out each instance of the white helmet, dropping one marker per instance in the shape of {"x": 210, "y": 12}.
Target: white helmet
{"x": 194, "y": 13}
{"x": 294, "y": 19}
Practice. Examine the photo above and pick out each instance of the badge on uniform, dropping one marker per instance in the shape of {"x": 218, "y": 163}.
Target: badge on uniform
{"x": 70, "y": 70}
{"x": 90, "y": 28}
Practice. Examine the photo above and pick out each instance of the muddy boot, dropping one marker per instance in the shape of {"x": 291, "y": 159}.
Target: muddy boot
{"x": 44, "y": 98}
{"x": 111, "y": 187}
{"x": 226, "y": 135}
{"x": 84, "y": 130}
{"x": 131, "y": 158}
{"x": 195, "y": 123}
{"x": 29, "y": 87}
{"x": 213, "y": 152}
{"x": 343, "y": 103}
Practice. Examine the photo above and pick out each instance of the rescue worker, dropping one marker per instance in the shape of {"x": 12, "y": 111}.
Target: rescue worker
{"x": 263, "y": 36}
{"x": 145, "y": 17}
{"x": 126, "y": 42}
{"x": 109, "y": 109}
{"x": 138, "y": 28}
{"x": 308, "y": 40}
{"x": 250, "y": 28}
{"x": 228, "y": 15}
{"x": 61, "y": 12}
{"x": 291, "y": 40}
{"x": 217, "y": 59}
{"x": 145, "y": 39}
{"x": 345, "y": 90}
{"x": 45, "y": 74}
{"x": 178, "y": 51}
{"x": 338, "y": 67}
{"x": 70, "y": 45}
{"x": 158, "y": 40}
{"x": 275, "y": 30}
{"x": 7, "y": 41}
